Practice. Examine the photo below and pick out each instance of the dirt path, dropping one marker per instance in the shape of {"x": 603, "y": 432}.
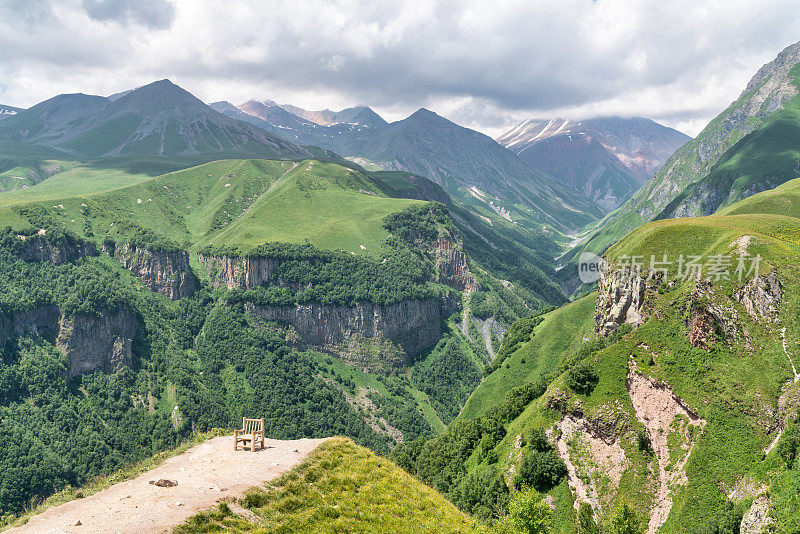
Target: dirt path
{"x": 205, "y": 474}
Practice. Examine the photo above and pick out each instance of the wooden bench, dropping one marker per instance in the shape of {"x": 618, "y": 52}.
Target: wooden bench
{"x": 252, "y": 431}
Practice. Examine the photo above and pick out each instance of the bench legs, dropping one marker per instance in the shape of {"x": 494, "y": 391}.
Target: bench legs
{"x": 253, "y": 437}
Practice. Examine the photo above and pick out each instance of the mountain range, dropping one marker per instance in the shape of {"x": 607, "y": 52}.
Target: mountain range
{"x": 157, "y": 119}
{"x": 749, "y": 147}
{"x": 608, "y": 159}
{"x": 530, "y": 188}
{"x": 169, "y": 267}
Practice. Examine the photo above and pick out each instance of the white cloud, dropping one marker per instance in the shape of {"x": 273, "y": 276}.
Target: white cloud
{"x": 483, "y": 64}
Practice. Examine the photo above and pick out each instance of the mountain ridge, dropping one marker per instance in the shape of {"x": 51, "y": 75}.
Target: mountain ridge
{"x": 159, "y": 118}
{"x": 767, "y": 92}
{"x": 607, "y": 158}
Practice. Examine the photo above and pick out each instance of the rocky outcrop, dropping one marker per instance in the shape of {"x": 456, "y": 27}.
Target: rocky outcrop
{"x": 758, "y": 519}
{"x": 97, "y": 343}
{"x": 451, "y": 265}
{"x": 621, "y": 296}
{"x": 239, "y": 272}
{"x": 167, "y": 273}
{"x": 410, "y": 325}
{"x": 761, "y": 297}
{"x": 40, "y": 248}
{"x": 701, "y": 329}
{"x": 90, "y": 342}
{"x": 712, "y": 316}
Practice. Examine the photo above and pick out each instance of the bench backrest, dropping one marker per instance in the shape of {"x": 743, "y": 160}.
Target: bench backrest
{"x": 252, "y": 425}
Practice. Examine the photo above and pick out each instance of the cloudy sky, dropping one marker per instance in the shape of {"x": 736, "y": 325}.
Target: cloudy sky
{"x": 483, "y": 64}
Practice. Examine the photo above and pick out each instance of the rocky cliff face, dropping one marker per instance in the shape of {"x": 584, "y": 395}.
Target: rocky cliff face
{"x": 761, "y": 297}
{"x": 167, "y": 273}
{"x": 239, "y": 272}
{"x": 369, "y": 336}
{"x": 364, "y": 334}
{"x": 623, "y": 298}
{"x": 620, "y": 298}
{"x": 451, "y": 265}
{"x": 101, "y": 342}
{"x": 91, "y": 342}
{"x": 40, "y": 248}
{"x": 39, "y": 322}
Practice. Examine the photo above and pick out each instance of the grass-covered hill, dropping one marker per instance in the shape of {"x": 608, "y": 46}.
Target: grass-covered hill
{"x": 192, "y": 365}
{"x": 341, "y": 487}
{"x": 229, "y": 202}
{"x": 683, "y": 421}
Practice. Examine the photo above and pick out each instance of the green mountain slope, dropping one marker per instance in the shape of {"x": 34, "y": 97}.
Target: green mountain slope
{"x": 559, "y": 334}
{"x": 682, "y": 410}
{"x": 229, "y": 202}
{"x": 763, "y": 159}
{"x": 341, "y": 487}
{"x": 708, "y": 165}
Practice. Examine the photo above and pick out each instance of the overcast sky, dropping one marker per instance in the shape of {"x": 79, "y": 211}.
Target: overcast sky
{"x": 486, "y": 65}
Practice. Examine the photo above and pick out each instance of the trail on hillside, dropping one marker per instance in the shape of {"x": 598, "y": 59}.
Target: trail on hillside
{"x": 206, "y": 474}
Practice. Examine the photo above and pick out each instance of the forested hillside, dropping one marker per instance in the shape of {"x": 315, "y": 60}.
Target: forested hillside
{"x": 133, "y": 314}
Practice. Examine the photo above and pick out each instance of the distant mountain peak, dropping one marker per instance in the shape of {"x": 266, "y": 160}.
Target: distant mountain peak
{"x": 159, "y": 118}
{"x": 254, "y": 102}
{"x": 354, "y": 116}
{"x": 424, "y": 112}
{"x": 607, "y": 158}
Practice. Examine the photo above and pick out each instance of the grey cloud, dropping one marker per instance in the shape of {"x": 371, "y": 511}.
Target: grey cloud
{"x": 501, "y": 60}
{"x": 155, "y": 14}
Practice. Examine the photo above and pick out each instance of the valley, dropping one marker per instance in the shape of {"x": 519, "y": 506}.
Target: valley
{"x": 401, "y": 302}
